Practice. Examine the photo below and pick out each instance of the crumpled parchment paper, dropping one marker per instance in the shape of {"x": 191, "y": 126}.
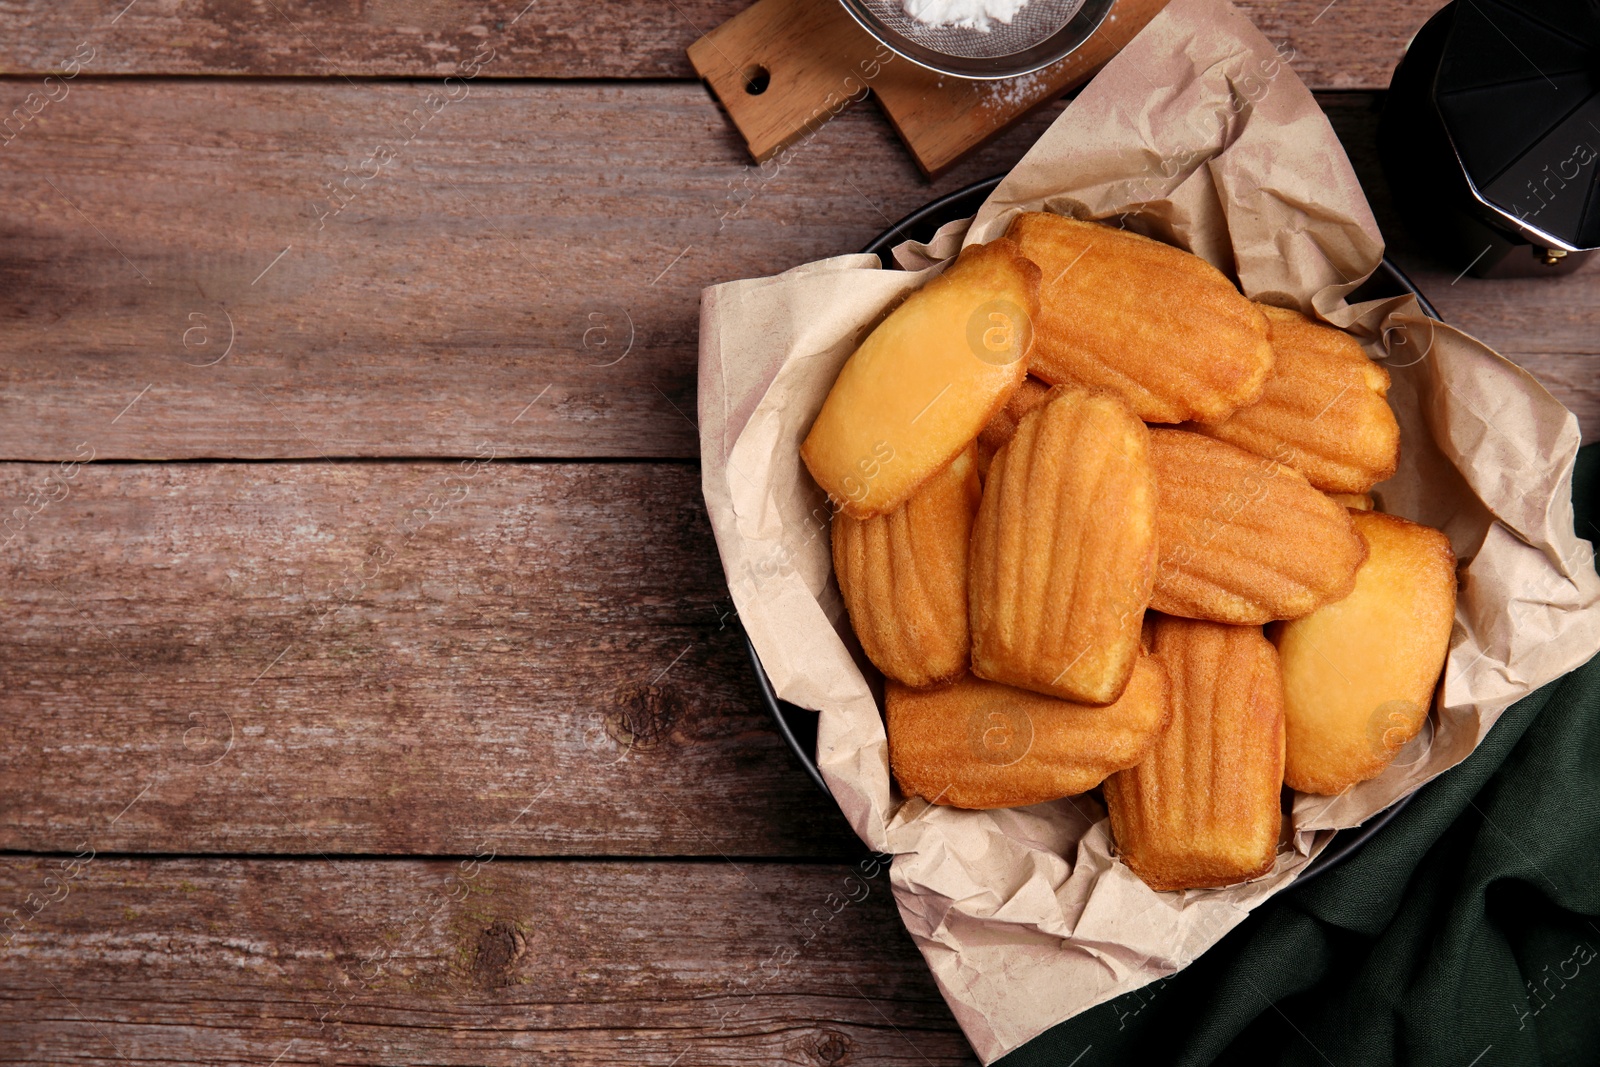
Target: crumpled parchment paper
{"x": 1199, "y": 134}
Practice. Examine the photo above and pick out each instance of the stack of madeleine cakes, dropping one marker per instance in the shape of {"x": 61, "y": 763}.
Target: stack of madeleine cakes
{"x": 1102, "y": 521}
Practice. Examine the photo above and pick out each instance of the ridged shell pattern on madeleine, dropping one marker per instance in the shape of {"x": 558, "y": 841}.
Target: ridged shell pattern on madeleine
{"x": 978, "y": 744}
{"x": 904, "y": 577}
{"x": 1158, "y": 327}
{"x": 1064, "y": 551}
{"x": 1323, "y": 411}
{"x": 1202, "y": 809}
{"x": 1029, "y": 395}
{"x": 1244, "y": 539}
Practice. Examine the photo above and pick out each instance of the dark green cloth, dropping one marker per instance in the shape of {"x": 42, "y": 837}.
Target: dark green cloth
{"x": 1465, "y": 933}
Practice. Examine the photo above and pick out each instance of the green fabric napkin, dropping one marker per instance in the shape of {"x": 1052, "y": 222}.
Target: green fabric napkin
{"x": 1465, "y": 933}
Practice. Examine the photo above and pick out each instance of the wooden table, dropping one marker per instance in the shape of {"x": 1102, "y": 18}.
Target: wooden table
{"x": 373, "y": 695}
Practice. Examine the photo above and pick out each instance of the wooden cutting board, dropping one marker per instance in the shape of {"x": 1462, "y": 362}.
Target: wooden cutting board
{"x": 781, "y": 68}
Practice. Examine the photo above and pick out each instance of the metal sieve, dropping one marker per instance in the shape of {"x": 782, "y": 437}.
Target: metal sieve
{"x": 1041, "y": 33}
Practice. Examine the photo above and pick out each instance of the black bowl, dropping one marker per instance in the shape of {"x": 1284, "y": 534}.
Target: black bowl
{"x": 799, "y": 726}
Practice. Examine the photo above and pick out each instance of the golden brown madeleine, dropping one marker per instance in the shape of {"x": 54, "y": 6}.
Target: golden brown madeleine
{"x": 978, "y": 744}
{"x": 1359, "y": 675}
{"x": 1323, "y": 410}
{"x": 1244, "y": 539}
{"x": 925, "y": 381}
{"x": 1064, "y": 551}
{"x": 1202, "y": 809}
{"x": 1155, "y": 325}
{"x": 1029, "y": 395}
{"x": 904, "y": 577}
{"x": 1355, "y": 501}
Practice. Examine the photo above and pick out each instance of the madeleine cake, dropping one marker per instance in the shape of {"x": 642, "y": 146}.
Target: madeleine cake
{"x": 1244, "y": 539}
{"x": 1202, "y": 809}
{"x": 925, "y": 381}
{"x": 1158, "y": 327}
{"x": 979, "y": 744}
{"x": 1359, "y": 674}
{"x": 904, "y": 577}
{"x": 1064, "y": 551}
{"x": 1323, "y": 411}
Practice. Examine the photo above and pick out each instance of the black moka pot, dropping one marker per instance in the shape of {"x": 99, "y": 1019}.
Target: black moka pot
{"x": 1490, "y": 135}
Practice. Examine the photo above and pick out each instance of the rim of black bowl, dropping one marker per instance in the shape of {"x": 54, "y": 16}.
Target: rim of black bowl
{"x": 799, "y": 726}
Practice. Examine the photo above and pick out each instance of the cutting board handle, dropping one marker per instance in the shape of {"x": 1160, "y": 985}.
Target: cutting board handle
{"x": 784, "y": 67}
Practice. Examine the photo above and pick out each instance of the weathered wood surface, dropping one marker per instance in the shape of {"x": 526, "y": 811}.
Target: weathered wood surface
{"x": 502, "y": 962}
{"x": 509, "y": 248}
{"x": 505, "y": 256}
{"x": 383, "y": 658}
{"x": 1346, "y": 44}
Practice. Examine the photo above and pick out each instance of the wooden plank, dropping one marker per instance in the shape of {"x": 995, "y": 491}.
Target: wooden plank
{"x": 1348, "y": 44}
{"x": 503, "y": 253}
{"x": 413, "y": 39}
{"x": 505, "y": 962}
{"x": 383, "y": 658}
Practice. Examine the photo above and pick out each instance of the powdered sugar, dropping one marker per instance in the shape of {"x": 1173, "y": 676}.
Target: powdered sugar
{"x": 1015, "y": 94}
{"x": 977, "y": 15}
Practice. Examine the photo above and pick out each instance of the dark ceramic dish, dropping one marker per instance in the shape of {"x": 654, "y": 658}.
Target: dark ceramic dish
{"x": 799, "y": 726}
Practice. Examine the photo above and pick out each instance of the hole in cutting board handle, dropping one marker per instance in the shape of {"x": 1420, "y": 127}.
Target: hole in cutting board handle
{"x": 756, "y": 80}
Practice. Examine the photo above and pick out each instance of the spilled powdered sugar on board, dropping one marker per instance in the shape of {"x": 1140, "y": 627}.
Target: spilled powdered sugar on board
{"x": 1014, "y": 93}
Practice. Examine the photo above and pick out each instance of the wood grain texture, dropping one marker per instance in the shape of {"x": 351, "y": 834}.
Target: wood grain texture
{"x": 501, "y": 252}
{"x": 1347, "y": 44}
{"x": 505, "y": 962}
{"x": 361, "y": 38}
{"x": 383, "y": 658}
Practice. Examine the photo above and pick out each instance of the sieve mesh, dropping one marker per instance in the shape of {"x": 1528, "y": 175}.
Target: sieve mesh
{"x": 1034, "y": 24}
